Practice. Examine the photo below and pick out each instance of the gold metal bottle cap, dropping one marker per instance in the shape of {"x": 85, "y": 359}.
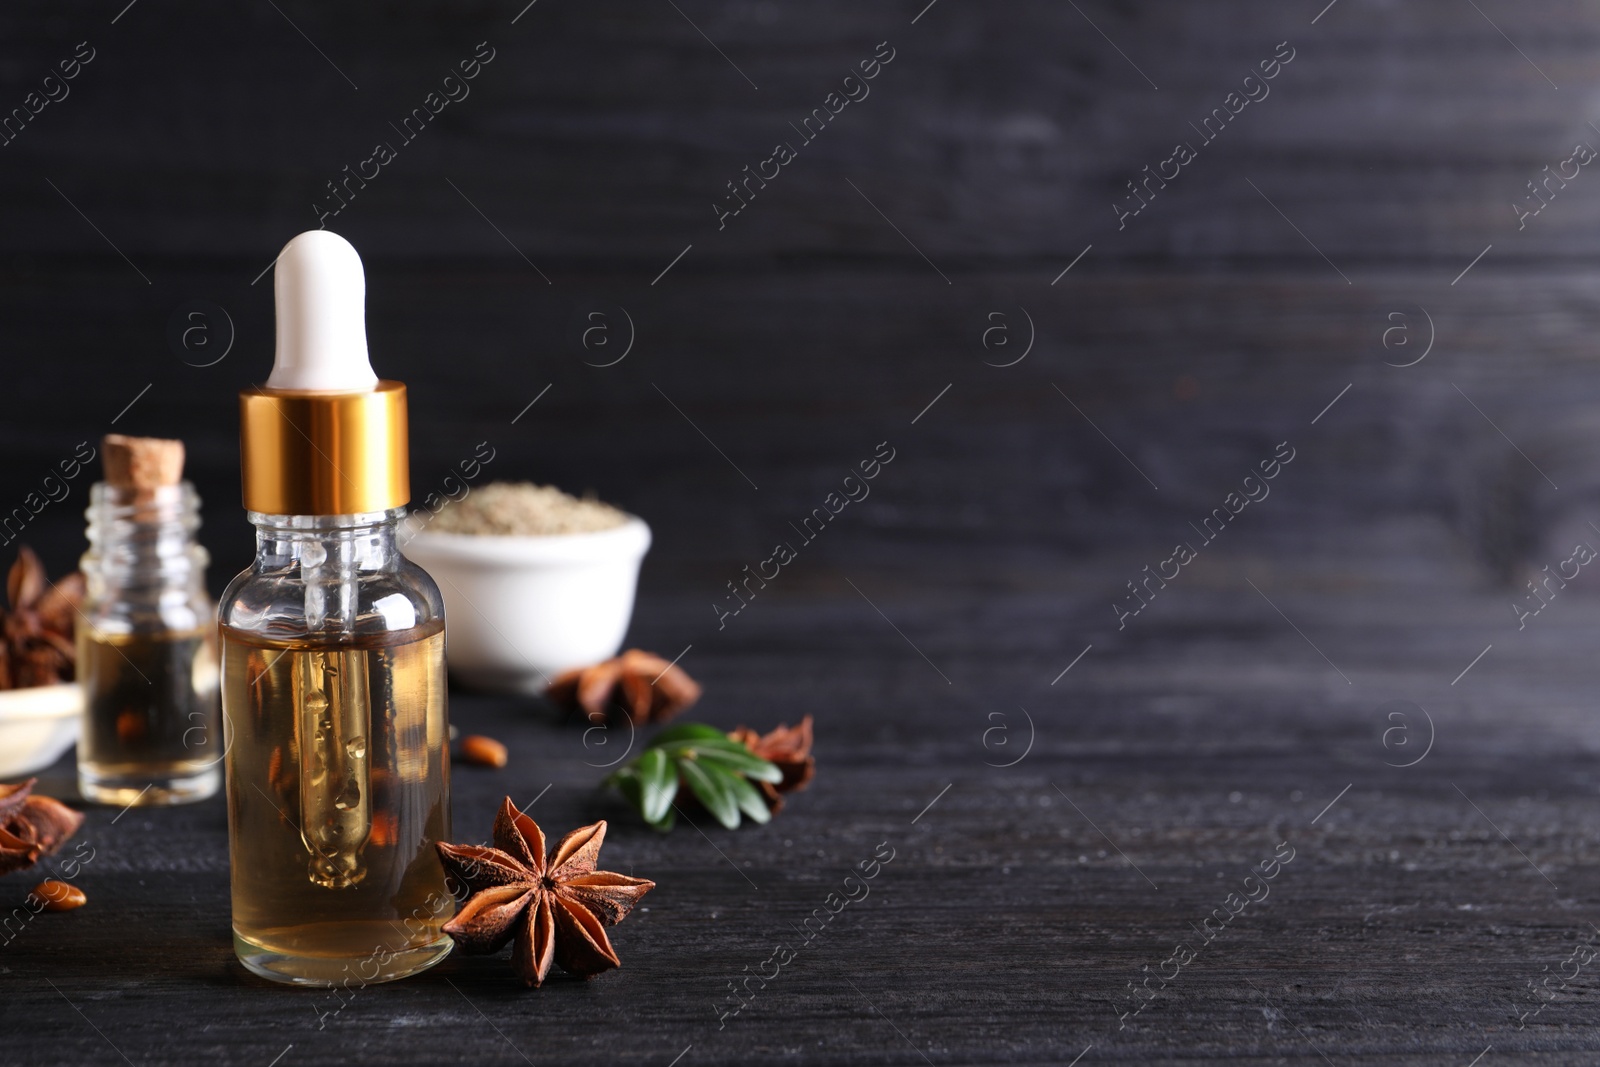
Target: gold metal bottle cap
{"x": 308, "y": 453}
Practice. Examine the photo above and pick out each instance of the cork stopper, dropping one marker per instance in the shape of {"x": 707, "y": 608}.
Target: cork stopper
{"x": 141, "y": 463}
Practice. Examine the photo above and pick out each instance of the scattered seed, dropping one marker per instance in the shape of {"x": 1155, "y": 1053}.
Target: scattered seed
{"x": 59, "y": 896}
{"x": 483, "y": 751}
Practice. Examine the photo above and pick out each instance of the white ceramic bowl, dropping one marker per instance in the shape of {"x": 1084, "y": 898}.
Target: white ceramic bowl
{"x": 37, "y": 725}
{"x": 519, "y": 610}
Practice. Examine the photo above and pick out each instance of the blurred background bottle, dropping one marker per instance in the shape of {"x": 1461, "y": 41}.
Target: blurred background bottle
{"x": 147, "y": 637}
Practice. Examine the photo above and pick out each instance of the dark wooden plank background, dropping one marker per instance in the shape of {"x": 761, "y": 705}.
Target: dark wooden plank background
{"x": 1222, "y": 320}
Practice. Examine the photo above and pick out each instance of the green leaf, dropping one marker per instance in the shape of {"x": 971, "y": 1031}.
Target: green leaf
{"x": 711, "y": 787}
{"x": 730, "y": 752}
{"x": 720, "y": 743}
{"x": 687, "y": 731}
{"x": 717, "y": 769}
{"x": 742, "y": 763}
{"x": 750, "y": 800}
{"x": 658, "y": 780}
{"x": 627, "y": 780}
{"x": 667, "y": 821}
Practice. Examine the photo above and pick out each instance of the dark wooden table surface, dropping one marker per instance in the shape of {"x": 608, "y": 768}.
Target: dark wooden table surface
{"x": 1022, "y": 900}
{"x": 1340, "y": 673}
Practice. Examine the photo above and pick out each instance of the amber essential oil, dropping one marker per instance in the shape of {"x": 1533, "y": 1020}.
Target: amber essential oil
{"x": 338, "y": 785}
{"x": 151, "y": 729}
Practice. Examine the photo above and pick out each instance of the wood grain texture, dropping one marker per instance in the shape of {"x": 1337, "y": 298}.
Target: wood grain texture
{"x": 604, "y": 133}
{"x": 1262, "y": 298}
{"x": 1008, "y": 925}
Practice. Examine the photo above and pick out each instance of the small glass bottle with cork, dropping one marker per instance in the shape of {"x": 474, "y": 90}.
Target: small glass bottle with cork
{"x": 147, "y": 635}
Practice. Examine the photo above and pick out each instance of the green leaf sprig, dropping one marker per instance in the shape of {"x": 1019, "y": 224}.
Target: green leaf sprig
{"x": 716, "y": 768}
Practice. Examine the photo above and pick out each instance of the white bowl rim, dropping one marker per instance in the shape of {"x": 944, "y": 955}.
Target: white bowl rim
{"x": 631, "y": 539}
{"x": 60, "y": 701}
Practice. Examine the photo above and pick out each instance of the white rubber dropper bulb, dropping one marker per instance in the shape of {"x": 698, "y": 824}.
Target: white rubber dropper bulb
{"x": 321, "y": 294}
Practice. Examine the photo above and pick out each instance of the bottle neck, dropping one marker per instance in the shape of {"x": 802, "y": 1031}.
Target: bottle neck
{"x": 329, "y": 555}
{"x": 363, "y": 542}
{"x": 142, "y": 544}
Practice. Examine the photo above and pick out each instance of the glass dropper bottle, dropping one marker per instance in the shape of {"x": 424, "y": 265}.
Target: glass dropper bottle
{"x": 333, "y": 680}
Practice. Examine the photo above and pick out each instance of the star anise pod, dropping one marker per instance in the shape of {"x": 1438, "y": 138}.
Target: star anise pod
{"x": 31, "y": 826}
{"x": 642, "y": 685}
{"x": 790, "y": 748}
{"x": 555, "y": 909}
{"x": 37, "y": 646}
